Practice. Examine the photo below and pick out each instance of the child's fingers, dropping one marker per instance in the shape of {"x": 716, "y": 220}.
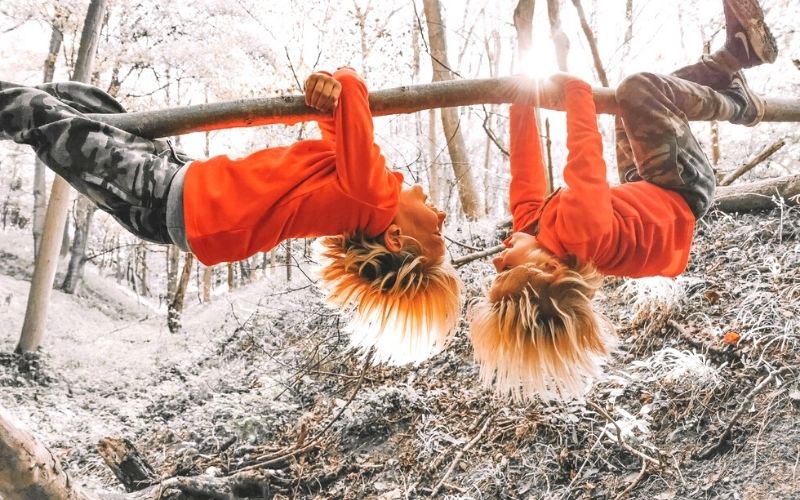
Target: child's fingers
{"x": 332, "y": 90}
{"x": 316, "y": 93}
{"x": 322, "y": 98}
{"x": 309, "y": 85}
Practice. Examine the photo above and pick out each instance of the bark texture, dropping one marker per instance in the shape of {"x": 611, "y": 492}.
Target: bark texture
{"x": 468, "y": 194}
{"x": 758, "y": 195}
{"x": 400, "y": 100}
{"x": 39, "y": 181}
{"x": 45, "y": 268}
{"x": 28, "y": 470}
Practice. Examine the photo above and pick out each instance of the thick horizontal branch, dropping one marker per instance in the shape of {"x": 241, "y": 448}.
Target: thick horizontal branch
{"x": 400, "y": 100}
{"x": 758, "y": 195}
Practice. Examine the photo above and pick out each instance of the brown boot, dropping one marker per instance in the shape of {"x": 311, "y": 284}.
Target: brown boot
{"x": 748, "y": 37}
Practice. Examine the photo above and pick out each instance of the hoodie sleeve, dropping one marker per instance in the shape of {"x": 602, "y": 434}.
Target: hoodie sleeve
{"x": 528, "y": 185}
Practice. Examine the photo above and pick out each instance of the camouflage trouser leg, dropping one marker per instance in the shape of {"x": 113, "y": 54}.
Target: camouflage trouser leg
{"x": 654, "y": 141}
{"x": 125, "y": 175}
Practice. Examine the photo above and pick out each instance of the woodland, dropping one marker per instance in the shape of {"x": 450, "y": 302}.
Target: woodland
{"x": 129, "y": 370}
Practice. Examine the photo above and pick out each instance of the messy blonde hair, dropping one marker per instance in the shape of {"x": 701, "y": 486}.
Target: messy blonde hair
{"x": 404, "y": 306}
{"x": 535, "y": 333}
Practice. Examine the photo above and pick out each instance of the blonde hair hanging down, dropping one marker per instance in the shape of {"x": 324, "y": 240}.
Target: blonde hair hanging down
{"x": 405, "y": 308}
{"x": 536, "y": 334}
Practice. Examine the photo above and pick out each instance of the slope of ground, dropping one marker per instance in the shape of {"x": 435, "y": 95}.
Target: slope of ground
{"x": 260, "y": 387}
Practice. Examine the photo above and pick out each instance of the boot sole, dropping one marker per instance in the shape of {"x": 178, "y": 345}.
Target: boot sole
{"x": 751, "y": 17}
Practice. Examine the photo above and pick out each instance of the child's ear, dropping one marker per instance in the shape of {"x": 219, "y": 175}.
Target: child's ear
{"x": 392, "y": 238}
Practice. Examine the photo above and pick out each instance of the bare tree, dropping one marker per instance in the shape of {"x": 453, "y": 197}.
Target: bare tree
{"x": 560, "y": 40}
{"x": 590, "y": 38}
{"x": 175, "y": 309}
{"x": 45, "y": 269}
{"x": 468, "y": 195}
{"x": 39, "y": 180}
{"x": 523, "y": 24}
{"x": 84, "y": 213}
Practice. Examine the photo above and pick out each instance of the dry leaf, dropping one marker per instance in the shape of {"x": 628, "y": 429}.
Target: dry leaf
{"x": 731, "y": 338}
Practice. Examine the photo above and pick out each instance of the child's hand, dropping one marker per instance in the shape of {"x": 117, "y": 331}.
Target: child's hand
{"x": 554, "y": 87}
{"x": 322, "y": 92}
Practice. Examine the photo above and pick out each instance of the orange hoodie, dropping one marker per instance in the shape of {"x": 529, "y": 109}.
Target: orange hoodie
{"x": 339, "y": 184}
{"x": 636, "y": 229}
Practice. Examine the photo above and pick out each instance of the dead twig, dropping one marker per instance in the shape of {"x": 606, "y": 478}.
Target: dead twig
{"x": 633, "y": 484}
{"x": 460, "y": 261}
{"x": 620, "y": 440}
{"x": 759, "y": 158}
{"x": 460, "y": 453}
{"x": 716, "y": 354}
{"x": 711, "y": 449}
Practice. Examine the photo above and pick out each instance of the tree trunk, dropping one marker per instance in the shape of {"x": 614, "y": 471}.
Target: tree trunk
{"x": 39, "y": 179}
{"x": 523, "y": 24}
{"x": 434, "y": 169}
{"x": 288, "y": 262}
{"x": 560, "y": 39}
{"x": 208, "y": 272}
{"x": 231, "y": 277}
{"x": 30, "y": 471}
{"x": 45, "y": 269}
{"x": 140, "y": 269}
{"x": 587, "y": 30}
{"x": 173, "y": 259}
{"x": 84, "y": 212}
{"x": 490, "y": 176}
{"x": 470, "y": 202}
{"x": 175, "y": 308}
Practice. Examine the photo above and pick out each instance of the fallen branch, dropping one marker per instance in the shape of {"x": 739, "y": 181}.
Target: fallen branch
{"x": 399, "y": 100}
{"x": 620, "y": 441}
{"x": 758, "y": 195}
{"x": 711, "y": 449}
{"x": 759, "y": 158}
{"x": 719, "y": 356}
{"x": 125, "y": 461}
{"x": 465, "y": 259}
{"x": 460, "y": 454}
{"x": 28, "y": 470}
{"x": 633, "y": 484}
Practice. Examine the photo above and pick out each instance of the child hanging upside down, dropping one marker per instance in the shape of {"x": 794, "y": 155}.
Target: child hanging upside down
{"x": 536, "y": 331}
{"x": 383, "y": 250}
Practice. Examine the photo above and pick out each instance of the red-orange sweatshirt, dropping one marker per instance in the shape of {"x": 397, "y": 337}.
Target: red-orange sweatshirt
{"x": 339, "y": 184}
{"x": 636, "y": 229}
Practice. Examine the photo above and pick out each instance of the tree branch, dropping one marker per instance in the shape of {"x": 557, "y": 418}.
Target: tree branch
{"x": 398, "y": 100}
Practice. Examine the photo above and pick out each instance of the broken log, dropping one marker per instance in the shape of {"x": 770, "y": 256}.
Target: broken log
{"x": 758, "y": 195}
{"x": 400, "y": 100}
{"x": 28, "y": 470}
{"x": 125, "y": 461}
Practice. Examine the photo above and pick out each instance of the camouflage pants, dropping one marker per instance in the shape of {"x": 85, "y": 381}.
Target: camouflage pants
{"x": 654, "y": 141}
{"x": 125, "y": 175}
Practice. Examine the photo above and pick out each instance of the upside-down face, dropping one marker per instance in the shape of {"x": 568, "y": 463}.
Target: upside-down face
{"x": 521, "y": 249}
{"x": 420, "y": 221}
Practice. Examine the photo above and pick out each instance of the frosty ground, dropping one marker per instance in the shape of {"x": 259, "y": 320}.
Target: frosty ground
{"x": 261, "y": 379}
